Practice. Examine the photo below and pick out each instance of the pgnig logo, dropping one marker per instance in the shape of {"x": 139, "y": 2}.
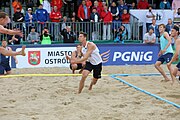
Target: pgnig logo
{"x": 133, "y": 56}
{"x": 105, "y": 56}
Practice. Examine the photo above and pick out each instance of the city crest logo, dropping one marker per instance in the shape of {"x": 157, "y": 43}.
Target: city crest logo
{"x": 34, "y": 57}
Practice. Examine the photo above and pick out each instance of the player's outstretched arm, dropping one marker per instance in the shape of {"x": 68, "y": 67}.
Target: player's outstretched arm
{"x": 10, "y": 32}
{"x": 12, "y": 53}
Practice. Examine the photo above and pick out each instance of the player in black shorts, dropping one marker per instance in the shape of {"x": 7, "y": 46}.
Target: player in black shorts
{"x": 77, "y": 54}
{"x": 92, "y": 57}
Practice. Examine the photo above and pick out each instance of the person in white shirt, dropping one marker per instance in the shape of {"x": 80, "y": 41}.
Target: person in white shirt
{"x": 150, "y": 37}
{"x": 149, "y": 16}
{"x": 177, "y": 13}
{"x": 93, "y": 61}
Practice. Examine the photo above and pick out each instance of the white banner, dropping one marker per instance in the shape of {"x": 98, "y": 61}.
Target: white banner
{"x": 162, "y": 16}
{"x": 44, "y": 57}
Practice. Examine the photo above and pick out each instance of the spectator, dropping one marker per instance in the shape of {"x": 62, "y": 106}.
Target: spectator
{"x": 67, "y": 4}
{"x": 84, "y": 15}
{"x": 177, "y": 14}
{"x": 100, "y": 4}
{"x": 46, "y": 37}
{"x": 75, "y": 27}
{"x": 114, "y": 10}
{"x": 175, "y": 4}
{"x": 58, "y": 3}
{"x": 84, "y": 12}
{"x": 30, "y": 19}
{"x": 88, "y": 3}
{"x": 149, "y": 16}
{"x": 42, "y": 17}
{"x": 33, "y": 36}
{"x": 164, "y": 4}
{"x": 169, "y": 26}
{"x": 94, "y": 19}
{"x": 121, "y": 34}
{"x": 143, "y": 4}
{"x": 14, "y": 39}
{"x": 155, "y": 29}
{"x": 150, "y": 37}
{"x": 16, "y": 4}
{"x": 68, "y": 35}
{"x": 47, "y": 6}
{"x": 96, "y": 5}
{"x": 115, "y": 25}
{"x": 64, "y": 23}
{"x": 133, "y": 6}
{"x": 107, "y": 20}
{"x": 75, "y": 16}
{"x": 55, "y": 17}
{"x": 121, "y": 7}
{"x": 126, "y": 22}
{"x": 19, "y": 18}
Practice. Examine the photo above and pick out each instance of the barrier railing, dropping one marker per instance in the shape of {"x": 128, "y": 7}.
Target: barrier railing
{"x": 97, "y": 31}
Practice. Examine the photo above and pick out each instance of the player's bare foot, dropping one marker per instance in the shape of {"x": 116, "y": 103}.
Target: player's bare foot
{"x": 165, "y": 80}
{"x": 90, "y": 87}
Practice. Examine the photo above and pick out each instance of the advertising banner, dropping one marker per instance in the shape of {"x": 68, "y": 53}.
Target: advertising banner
{"x": 44, "y": 57}
{"x": 129, "y": 54}
{"x": 112, "y": 54}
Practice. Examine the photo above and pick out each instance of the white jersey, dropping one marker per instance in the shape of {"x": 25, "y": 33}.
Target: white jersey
{"x": 95, "y": 57}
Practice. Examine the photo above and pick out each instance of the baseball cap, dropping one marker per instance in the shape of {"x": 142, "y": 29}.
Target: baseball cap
{"x": 29, "y": 9}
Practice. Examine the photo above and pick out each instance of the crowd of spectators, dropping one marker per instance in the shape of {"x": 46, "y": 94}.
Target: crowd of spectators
{"x": 114, "y": 14}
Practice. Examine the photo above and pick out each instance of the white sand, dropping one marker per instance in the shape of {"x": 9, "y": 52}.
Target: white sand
{"x": 55, "y": 98}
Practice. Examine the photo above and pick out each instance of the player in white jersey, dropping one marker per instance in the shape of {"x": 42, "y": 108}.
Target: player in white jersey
{"x": 176, "y": 56}
{"x": 93, "y": 61}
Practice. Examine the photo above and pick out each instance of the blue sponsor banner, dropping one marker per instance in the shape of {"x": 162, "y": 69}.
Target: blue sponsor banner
{"x": 116, "y": 54}
{"x": 131, "y": 54}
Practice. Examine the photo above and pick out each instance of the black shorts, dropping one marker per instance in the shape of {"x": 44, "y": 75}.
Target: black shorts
{"x": 96, "y": 69}
{"x": 166, "y": 57}
{"x": 79, "y": 66}
{"x": 178, "y": 66}
{"x": 4, "y": 67}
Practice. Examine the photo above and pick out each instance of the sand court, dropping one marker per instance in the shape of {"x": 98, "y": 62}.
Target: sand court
{"x": 55, "y": 98}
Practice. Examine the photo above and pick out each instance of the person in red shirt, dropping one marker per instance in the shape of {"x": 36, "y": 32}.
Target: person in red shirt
{"x": 88, "y": 3}
{"x": 107, "y": 20}
{"x": 143, "y": 4}
{"x": 58, "y": 3}
{"x": 126, "y": 22}
{"x": 55, "y": 17}
{"x": 84, "y": 12}
{"x": 98, "y": 8}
